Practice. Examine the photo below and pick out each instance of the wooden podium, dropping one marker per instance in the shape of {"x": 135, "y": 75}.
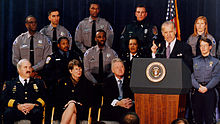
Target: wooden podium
{"x": 160, "y": 100}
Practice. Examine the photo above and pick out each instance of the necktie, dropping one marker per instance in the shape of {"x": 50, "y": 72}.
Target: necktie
{"x": 32, "y": 50}
{"x": 120, "y": 90}
{"x": 168, "y": 51}
{"x": 93, "y": 33}
{"x": 25, "y": 82}
{"x": 132, "y": 58}
{"x": 54, "y": 45}
{"x": 198, "y": 52}
{"x": 101, "y": 65}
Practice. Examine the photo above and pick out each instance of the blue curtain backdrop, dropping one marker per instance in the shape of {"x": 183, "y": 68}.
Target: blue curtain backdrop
{"x": 117, "y": 12}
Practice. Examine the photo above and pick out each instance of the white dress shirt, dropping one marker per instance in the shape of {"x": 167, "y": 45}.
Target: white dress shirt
{"x": 116, "y": 100}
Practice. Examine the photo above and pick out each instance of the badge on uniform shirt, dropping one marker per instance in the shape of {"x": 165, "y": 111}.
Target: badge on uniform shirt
{"x": 179, "y": 54}
{"x": 24, "y": 45}
{"x": 35, "y": 87}
{"x": 14, "y": 89}
{"x": 108, "y": 55}
{"x": 40, "y": 41}
{"x": 195, "y": 66}
{"x": 48, "y": 60}
{"x": 65, "y": 84}
{"x": 102, "y": 26}
{"x": 145, "y": 31}
{"x": 210, "y": 63}
{"x": 62, "y": 33}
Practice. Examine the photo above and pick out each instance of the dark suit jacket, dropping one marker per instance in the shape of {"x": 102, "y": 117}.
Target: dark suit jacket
{"x": 111, "y": 92}
{"x": 180, "y": 50}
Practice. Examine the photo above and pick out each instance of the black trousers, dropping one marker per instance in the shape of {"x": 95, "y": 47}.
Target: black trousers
{"x": 203, "y": 106}
{"x": 11, "y": 115}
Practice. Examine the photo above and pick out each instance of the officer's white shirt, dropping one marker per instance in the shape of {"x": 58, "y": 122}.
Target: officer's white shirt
{"x": 22, "y": 80}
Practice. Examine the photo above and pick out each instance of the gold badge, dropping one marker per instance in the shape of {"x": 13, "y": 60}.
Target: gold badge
{"x": 35, "y": 87}
{"x": 210, "y": 63}
{"x": 4, "y": 87}
{"x": 14, "y": 89}
{"x": 155, "y": 72}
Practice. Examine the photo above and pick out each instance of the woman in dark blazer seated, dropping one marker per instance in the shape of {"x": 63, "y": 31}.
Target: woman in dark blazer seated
{"x": 73, "y": 94}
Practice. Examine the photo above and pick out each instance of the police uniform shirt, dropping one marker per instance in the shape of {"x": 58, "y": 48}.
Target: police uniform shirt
{"x": 61, "y": 32}
{"x": 192, "y": 41}
{"x": 91, "y": 62}
{"x": 57, "y": 64}
{"x": 127, "y": 58}
{"x": 206, "y": 69}
{"x": 132, "y": 56}
{"x": 22, "y": 80}
{"x": 21, "y": 49}
{"x": 142, "y": 30}
{"x": 14, "y": 92}
{"x": 83, "y": 33}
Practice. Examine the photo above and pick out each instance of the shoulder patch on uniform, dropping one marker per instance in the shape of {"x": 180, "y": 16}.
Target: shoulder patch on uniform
{"x": 4, "y": 86}
{"x": 15, "y": 41}
{"x": 48, "y": 60}
{"x": 49, "y": 42}
{"x": 69, "y": 35}
{"x": 213, "y": 41}
{"x": 110, "y": 28}
{"x": 77, "y": 28}
{"x": 86, "y": 53}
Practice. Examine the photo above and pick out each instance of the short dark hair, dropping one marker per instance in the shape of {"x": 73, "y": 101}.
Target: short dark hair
{"x": 74, "y": 62}
{"x": 101, "y": 30}
{"x": 136, "y": 38}
{"x": 94, "y": 2}
{"x": 52, "y": 10}
{"x": 179, "y": 120}
{"x": 30, "y": 16}
{"x": 206, "y": 40}
{"x": 61, "y": 38}
{"x": 130, "y": 118}
{"x": 141, "y": 5}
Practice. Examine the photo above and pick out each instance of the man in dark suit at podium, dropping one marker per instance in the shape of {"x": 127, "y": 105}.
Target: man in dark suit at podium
{"x": 118, "y": 98}
{"x": 171, "y": 47}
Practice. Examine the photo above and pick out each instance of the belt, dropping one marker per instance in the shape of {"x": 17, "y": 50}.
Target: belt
{"x": 203, "y": 83}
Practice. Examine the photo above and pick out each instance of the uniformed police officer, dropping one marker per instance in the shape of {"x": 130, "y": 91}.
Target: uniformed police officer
{"x": 56, "y": 67}
{"x": 31, "y": 45}
{"x": 86, "y": 30}
{"x": 133, "y": 52}
{"x": 97, "y": 66}
{"x": 205, "y": 77}
{"x": 141, "y": 28}
{"x": 54, "y": 31}
{"x": 24, "y": 97}
{"x": 92, "y": 59}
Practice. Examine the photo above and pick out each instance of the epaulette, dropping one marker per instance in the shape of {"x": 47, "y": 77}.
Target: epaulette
{"x": 46, "y": 26}
{"x": 86, "y": 19}
{"x": 23, "y": 34}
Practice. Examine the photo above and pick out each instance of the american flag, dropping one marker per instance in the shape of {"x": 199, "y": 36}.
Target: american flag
{"x": 172, "y": 15}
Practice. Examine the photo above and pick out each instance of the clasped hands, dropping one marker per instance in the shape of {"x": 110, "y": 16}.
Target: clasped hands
{"x": 26, "y": 107}
{"x": 202, "y": 89}
{"x": 125, "y": 103}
